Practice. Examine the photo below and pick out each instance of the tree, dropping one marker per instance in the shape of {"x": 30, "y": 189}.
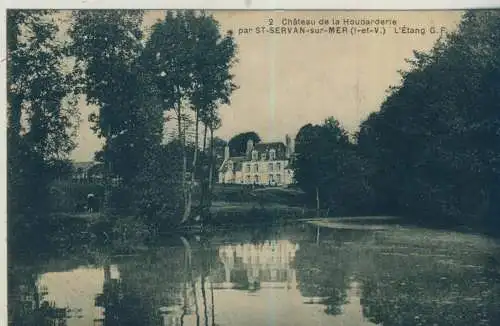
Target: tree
{"x": 41, "y": 115}
{"x": 318, "y": 148}
{"x": 329, "y": 169}
{"x": 190, "y": 62}
{"x": 158, "y": 200}
{"x": 168, "y": 56}
{"x": 107, "y": 46}
{"x": 435, "y": 140}
{"x": 213, "y": 123}
{"x": 218, "y": 147}
{"x": 213, "y": 57}
{"x": 238, "y": 143}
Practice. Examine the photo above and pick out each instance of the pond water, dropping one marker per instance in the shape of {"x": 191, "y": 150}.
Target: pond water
{"x": 288, "y": 275}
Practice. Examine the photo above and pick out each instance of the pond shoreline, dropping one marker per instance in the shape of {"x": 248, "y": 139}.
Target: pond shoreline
{"x": 250, "y": 215}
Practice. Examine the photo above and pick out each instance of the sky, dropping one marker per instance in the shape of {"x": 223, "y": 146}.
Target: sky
{"x": 286, "y": 81}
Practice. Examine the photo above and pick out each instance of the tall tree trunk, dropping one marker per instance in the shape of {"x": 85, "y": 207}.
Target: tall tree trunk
{"x": 205, "y": 137}
{"x": 107, "y": 174}
{"x": 190, "y": 187}
{"x": 211, "y": 169}
{"x": 204, "y": 174}
{"x": 182, "y": 141}
{"x": 317, "y": 201}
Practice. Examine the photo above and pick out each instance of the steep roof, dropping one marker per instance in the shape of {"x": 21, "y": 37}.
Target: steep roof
{"x": 262, "y": 148}
{"x": 267, "y": 146}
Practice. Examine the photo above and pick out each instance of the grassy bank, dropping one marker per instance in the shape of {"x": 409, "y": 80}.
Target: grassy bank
{"x": 246, "y": 193}
{"x": 232, "y": 204}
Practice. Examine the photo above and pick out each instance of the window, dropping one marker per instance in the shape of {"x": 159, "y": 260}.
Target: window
{"x": 248, "y": 179}
{"x": 255, "y": 155}
{"x": 272, "y": 154}
{"x": 271, "y": 179}
{"x": 256, "y": 167}
{"x": 270, "y": 167}
{"x": 278, "y": 166}
{"x": 256, "y": 179}
{"x": 278, "y": 178}
{"x": 247, "y": 168}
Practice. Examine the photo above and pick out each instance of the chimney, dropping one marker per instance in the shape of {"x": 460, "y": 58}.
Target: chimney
{"x": 226, "y": 152}
{"x": 249, "y": 146}
{"x": 288, "y": 144}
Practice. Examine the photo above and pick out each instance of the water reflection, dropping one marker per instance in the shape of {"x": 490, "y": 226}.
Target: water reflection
{"x": 280, "y": 277}
{"x": 254, "y": 266}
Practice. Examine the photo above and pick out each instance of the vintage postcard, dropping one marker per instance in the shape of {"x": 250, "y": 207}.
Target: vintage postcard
{"x": 258, "y": 167}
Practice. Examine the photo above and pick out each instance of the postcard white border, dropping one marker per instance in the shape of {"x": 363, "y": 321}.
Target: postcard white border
{"x": 178, "y": 4}
{"x": 257, "y": 4}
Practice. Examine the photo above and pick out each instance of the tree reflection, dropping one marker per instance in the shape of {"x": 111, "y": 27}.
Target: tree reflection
{"x": 27, "y": 302}
{"x": 160, "y": 288}
{"x": 207, "y": 255}
{"x": 147, "y": 283}
{"x": 322, "y": 276}
{"x": 123, "y": 304}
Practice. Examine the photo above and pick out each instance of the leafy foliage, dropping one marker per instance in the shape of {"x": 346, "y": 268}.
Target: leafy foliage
{"x": 107, "y": 47}
{"x": 190, "y": 63}
{"x": 238, "y": 143}
{"x": 435, "y": 141}
{"x": 41, "y": 116}
{"x": 432, "y": 151}
{"x": 328, "y": 168}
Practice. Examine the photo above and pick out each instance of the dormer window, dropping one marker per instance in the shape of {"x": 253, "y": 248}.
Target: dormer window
{"x": 255, "y": 155}
{"x": 263, "y": 156}
{"x": 230, "y": 165}
{"x": 272, "y": 154}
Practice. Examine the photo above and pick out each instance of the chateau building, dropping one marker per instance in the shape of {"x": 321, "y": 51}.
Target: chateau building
{"x": 262, "y": 164}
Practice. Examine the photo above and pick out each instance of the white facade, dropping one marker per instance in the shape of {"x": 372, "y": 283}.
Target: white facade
{"x": 262, "y": 173}
{"x": 265, "y": 164}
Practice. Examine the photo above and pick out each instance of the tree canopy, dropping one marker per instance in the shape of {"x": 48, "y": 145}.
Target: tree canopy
{"x": 328, "y": 168}
{"x": 183, "y": 66}
{"x": 41, "y": 115}
{"x": 238, "y": 143}
{"x": 435, "y": 141}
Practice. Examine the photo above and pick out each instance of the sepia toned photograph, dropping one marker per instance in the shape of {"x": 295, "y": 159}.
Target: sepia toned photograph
{"x": 253, "y": 167}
